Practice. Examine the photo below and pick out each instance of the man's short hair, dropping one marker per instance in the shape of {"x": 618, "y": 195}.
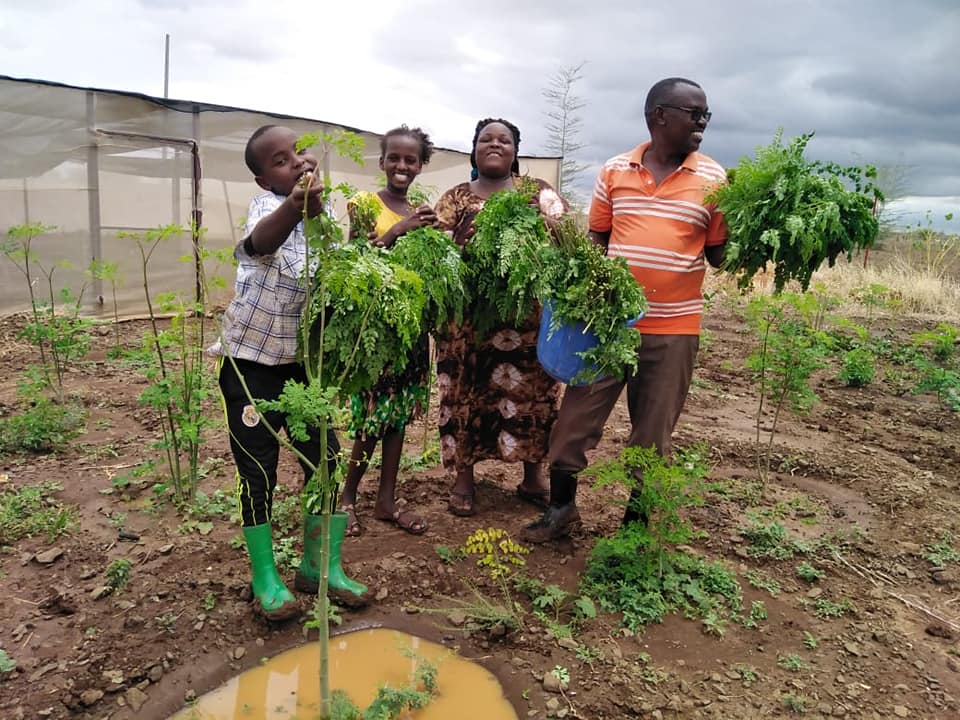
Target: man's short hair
{"x": 660, "y": 92}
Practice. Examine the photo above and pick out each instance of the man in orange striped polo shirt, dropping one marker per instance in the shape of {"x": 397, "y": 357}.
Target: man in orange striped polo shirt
{"x": 648, "y": 208}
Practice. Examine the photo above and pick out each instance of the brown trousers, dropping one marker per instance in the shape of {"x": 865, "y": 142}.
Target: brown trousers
{"x": 655, "y": 397}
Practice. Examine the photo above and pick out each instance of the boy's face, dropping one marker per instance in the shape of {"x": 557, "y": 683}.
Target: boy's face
{"x": 280, "y": 164}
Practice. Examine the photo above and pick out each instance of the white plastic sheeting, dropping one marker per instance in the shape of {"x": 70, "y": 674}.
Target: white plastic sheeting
{"x": 93, "y": 163}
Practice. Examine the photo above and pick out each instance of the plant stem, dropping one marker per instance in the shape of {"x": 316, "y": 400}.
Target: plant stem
{"x": 322, "y": 602}
{"x": 773, "y": 426}
{"x": 431, "y": 354}
{"x": 171, "y": 444}
{"x": 33, "y": 306}
{"x": 763, "y": 369}
{"x": 116, "y": 315}
{"x": 54, "y": 350}
{"x": 284, "y": 442}
{"x": 356, "y": 346}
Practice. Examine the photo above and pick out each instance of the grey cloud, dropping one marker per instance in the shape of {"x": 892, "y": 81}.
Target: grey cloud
{"x": 872, "y": 78}
{"x": 181, "y": 5}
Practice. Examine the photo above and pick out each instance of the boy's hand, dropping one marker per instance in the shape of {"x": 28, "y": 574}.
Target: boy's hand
{"x": 311, "y": 197}
{"x": 309, "y": 190}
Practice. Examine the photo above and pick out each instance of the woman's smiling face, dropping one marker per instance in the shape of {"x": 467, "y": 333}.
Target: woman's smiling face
{"x": 401, "y": 161}
{"x": 495, "y": 150}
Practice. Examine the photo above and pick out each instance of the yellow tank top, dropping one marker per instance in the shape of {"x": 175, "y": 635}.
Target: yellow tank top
{"x": 386, "y": 218}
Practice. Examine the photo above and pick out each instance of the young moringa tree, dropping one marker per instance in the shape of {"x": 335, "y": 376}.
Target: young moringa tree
{"x": 564, "y": 125}
{"x": 361, "y": 312}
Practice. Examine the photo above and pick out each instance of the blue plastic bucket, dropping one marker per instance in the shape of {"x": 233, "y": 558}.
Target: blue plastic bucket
{"x": 557, "y": 352}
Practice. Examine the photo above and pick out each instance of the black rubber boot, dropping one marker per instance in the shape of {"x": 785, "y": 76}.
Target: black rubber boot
{"x": 563, "y": 487}
{"x": 562, "y": 516}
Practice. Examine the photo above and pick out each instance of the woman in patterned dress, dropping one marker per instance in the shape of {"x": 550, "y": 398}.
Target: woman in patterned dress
{"x": 496, "y": 402}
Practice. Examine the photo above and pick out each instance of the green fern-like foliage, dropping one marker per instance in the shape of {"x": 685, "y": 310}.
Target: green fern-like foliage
{"x": 505, "y": 258}
{"x": 585, "y": 286}
{"x": 433, "y": 256}
{"x": 305, "y": 407}
{"x": 372, "y": 312}
{"x": 391, "y": 703}
{"x": 783, "y": 209}
{"x": 640, "y": 571}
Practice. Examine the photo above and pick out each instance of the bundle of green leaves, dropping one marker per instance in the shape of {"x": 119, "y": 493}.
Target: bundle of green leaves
{"x": 433, "y": 256}
{"x": 372, "y": 310}
{"x": 505, "y": 258}
{"x": 783, "y": 209}
{"x": 586, "y": 287}
{"x": 364, "y": 209}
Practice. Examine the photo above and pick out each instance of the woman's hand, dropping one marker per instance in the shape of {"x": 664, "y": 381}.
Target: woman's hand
{"x": 465, "y": 229}
{"x": 550, "y": 206}
{"x": 423, "y": 216}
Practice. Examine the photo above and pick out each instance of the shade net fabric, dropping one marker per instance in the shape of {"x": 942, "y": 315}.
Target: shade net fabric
{"x": 95, "y": 164}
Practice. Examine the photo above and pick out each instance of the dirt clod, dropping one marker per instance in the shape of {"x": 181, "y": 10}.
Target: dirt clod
{"x": 48, "y": 557}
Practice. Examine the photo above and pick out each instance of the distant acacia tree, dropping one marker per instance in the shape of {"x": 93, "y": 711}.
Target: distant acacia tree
{"x": 564, "y": 125}
{"x": 893, "y": 182}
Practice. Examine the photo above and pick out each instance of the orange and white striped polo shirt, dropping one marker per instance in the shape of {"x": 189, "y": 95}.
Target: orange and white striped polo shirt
{"x": 661, "y": 231}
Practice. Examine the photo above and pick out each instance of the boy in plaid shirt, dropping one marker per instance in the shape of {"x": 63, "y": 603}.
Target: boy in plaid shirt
{"x": 260, "y": 334}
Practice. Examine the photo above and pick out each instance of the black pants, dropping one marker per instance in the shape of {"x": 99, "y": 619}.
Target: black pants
{"x": 255, "y": 450}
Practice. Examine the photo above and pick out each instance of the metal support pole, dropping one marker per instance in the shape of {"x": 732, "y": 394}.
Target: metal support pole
{"x": 196, "y": 219}
{"x": 93, "y": 194}
{"x": 26, "y": 202}
{"x": 196, "y": 215}
{"x": 166, "y": 65}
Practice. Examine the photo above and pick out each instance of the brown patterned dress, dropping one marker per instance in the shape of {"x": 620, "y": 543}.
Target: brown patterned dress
{"x": 496, "y": 401}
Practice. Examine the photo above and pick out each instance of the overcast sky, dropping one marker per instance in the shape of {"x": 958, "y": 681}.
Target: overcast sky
{"x": 875, "y": 79}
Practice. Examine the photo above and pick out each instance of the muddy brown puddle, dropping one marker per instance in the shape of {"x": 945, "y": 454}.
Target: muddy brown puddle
{"x": 288, "y": 685}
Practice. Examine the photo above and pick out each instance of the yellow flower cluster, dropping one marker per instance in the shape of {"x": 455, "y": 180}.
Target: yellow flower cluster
{"x": 497, "y": 551}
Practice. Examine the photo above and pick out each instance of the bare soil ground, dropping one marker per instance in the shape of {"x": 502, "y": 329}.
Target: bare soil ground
{"x": 876, "y": 471}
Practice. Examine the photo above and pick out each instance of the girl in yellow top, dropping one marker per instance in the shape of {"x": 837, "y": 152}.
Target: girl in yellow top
{"x": 383, "y": 412}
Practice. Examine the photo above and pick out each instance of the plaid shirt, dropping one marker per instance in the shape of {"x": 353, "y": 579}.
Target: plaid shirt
{"x": 260, "y": 324}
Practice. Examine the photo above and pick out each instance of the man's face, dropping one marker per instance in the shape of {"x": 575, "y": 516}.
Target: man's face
{"x": 681, "y": 133}
{"x": 280, "y": 164}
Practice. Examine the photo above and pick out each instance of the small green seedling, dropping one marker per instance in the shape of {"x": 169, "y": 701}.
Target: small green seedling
{"x": 7, "y": 663}
{"x": 795, "y": 703}
{"x": 794, "y": 663}
{"x": 808, "y": 573}
{"x": 118, "y": 574}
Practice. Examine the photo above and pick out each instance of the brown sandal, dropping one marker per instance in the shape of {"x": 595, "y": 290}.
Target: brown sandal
{"x": 407, "y": 520}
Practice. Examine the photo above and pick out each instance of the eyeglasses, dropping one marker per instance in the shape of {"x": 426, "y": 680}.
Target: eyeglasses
{"x": 695, "y": 113}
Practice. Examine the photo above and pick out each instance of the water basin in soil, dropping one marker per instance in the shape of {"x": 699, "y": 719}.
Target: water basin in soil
{"x": 288, "y": 685}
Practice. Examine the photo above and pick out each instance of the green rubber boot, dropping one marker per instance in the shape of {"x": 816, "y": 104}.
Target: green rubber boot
{"x": 340, "y": 588}
{"x": 274, "y": 601}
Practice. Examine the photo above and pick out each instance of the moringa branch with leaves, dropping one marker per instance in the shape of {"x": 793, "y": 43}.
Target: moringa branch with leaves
{"x": 361, "y": 315}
